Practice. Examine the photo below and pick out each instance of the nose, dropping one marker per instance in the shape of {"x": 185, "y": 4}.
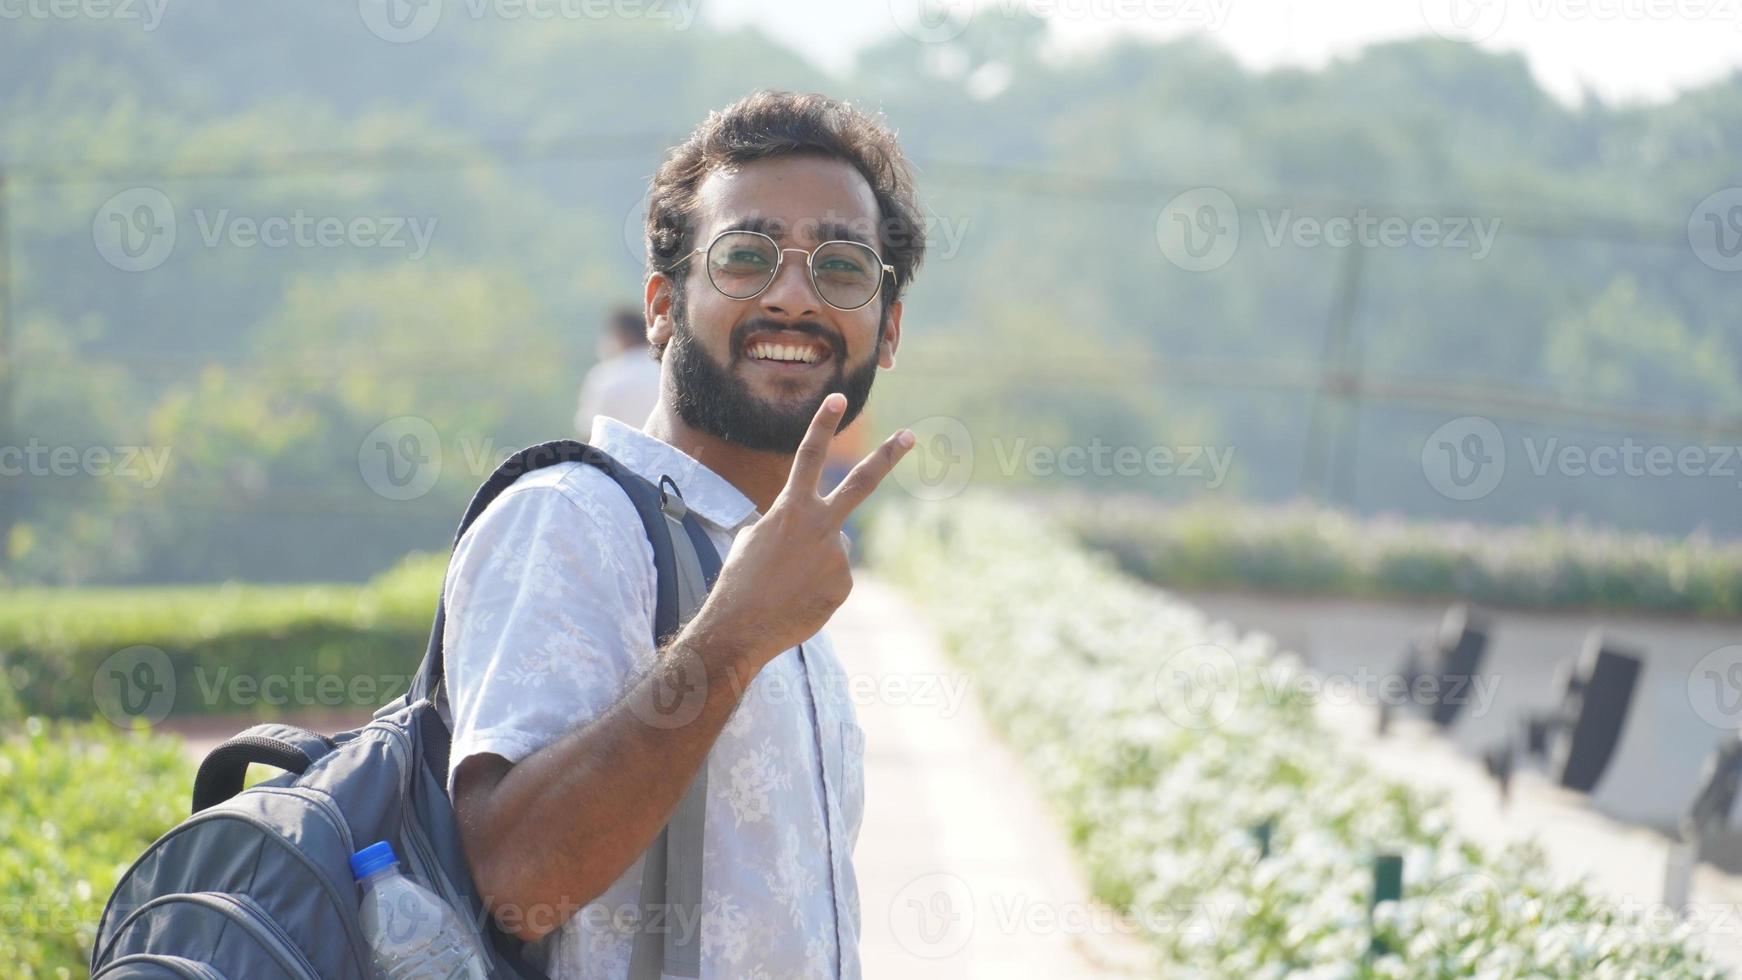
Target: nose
{"x": 791, "y": 293}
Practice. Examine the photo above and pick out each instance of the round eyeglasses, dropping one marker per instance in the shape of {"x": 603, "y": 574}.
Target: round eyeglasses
{"x": 741, "y": 264}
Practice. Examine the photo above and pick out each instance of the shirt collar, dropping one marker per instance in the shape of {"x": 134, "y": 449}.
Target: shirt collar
{"x": 705, "y": 492}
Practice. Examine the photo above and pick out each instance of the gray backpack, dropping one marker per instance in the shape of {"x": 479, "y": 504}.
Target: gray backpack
{"x": 256, "y": 885}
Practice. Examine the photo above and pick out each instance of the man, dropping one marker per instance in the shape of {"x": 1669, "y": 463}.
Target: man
{"x": 625, "y": 383}
{"x": 781, "y": 234}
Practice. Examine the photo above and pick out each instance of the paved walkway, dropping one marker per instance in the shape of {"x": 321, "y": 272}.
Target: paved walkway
{"x": 962, "y": 870}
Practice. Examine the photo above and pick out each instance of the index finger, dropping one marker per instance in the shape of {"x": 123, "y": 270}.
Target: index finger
{"x": 813, "y": 450}
{"x": 869, "y": 472}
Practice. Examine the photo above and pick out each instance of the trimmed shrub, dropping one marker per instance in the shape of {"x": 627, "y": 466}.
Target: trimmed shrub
{"x": 364, "y": 640}
{"x": 81, "y": 801}
{"x": 1310, "y": 550}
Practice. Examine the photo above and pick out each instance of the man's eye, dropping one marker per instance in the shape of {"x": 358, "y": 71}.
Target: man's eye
{"x": 841, "y": 267}
{"x": 746, "y": 257}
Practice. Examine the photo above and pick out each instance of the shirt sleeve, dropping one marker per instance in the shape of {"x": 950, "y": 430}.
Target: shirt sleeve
{"x": 550, "y": 599}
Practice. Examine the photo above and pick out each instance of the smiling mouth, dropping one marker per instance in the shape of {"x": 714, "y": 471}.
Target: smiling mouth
{"x": 790, "y": 349}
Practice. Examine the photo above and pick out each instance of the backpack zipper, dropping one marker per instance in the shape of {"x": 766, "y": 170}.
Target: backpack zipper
{"x": 181, "y": 966}
{"x": 324, "y": 803}
{"x": 354, "y": 931}
{"x": 251, "y": 910}
{"x": 421, "y": 853}
{"x": 247, "y": 914}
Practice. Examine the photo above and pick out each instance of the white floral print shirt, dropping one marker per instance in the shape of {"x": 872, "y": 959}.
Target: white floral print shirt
{"x": 550, "y": 600}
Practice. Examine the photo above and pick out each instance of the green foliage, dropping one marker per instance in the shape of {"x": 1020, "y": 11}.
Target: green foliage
{"x": 1312, "y": 550}
{"x": 1163, "y": 739}
{"x": 1045, "y": 311}
{"x": 80, "y": 802}
{"x": 340, "y": 646}
{"x": 1624, "y": 350}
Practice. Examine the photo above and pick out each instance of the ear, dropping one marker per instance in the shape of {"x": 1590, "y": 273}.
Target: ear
{"x": 656, "y": 303}
{"x": 890, "y": 339}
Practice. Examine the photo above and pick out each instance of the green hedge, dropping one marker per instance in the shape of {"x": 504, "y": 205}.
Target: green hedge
{"x": 81, "y": 801}
{"x": 231, "y": 648}
{"x": 1304, "y": 549}
{"x": 1164, "y": 739}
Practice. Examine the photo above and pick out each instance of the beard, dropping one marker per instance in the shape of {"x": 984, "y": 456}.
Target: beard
{"x": 708, "y": 396}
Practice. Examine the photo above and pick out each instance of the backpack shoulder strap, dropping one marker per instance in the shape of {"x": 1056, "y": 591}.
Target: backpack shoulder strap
{"x": 686, "y": 564}
{"x": 642, "y": 494}
{"x": 671, "y": 871}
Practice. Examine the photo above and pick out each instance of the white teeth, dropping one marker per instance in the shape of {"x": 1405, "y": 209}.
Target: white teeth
{"x": 784, "y": 352}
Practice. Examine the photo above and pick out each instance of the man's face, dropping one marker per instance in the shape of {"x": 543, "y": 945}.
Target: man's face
{"x": 731, "y": 365}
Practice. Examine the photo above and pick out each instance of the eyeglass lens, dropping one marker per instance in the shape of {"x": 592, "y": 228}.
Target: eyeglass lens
{"x": 846, "y": 274}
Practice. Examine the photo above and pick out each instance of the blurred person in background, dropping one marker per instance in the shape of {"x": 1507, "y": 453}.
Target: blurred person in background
{"x": 625, "y": 383}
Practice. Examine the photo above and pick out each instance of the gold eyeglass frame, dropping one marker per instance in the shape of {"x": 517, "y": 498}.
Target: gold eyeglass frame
{"x": 780, "y": 259}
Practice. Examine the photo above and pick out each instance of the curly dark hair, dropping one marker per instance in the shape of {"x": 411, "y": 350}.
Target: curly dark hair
{"x": 772, "y": 123}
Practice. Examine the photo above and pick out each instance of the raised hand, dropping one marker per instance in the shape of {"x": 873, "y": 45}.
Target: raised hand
{"x": 788, "y": 573}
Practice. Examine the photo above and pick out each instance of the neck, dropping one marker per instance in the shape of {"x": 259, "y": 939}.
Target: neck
{"x": 757, "y": 474}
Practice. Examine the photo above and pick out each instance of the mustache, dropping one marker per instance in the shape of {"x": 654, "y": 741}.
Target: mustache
{"x": 810, "y": 328}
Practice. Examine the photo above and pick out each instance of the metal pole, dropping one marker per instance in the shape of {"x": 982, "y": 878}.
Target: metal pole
{"x": 1341, "y": 480}
{"x": 8, "y": 378}
{"x": 1327, "y": 421}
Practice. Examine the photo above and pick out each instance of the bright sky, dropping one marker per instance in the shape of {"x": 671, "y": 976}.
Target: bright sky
{"x": 1627, "y": 50}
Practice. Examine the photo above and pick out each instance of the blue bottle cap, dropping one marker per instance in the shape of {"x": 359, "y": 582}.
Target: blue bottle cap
{"x": 375, "y": 857}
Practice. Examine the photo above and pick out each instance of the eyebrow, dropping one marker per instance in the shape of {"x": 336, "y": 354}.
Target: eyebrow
{"x": 829, "y": 230}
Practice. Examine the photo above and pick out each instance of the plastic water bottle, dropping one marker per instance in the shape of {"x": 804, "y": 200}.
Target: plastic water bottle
{"x": 414, "y": 934}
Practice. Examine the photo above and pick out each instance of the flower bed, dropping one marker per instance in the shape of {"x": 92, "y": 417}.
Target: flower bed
{"x": 1165, "y": 741}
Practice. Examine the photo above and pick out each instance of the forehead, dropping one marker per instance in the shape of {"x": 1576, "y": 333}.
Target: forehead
{"x": 796, "y": 198}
